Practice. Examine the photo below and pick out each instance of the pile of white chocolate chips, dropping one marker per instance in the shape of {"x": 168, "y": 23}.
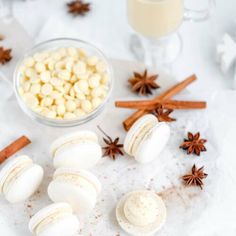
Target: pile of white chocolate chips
{"x": 65, "y": 83}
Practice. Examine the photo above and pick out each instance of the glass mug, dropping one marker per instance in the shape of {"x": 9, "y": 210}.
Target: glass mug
{"x": 157, "y": 22}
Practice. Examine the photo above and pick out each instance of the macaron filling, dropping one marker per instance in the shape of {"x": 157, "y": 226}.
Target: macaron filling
{"x": 75, "y": 141}
{"x": 76, "y": 179}
{"x": 14, "y": 173}
{"x": 140, "y": 135}
{"x": 50, "y": 219}
{"x": 141, "y": 209}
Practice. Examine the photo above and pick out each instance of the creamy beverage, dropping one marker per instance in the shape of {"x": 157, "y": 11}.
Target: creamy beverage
{"x": 155, "y": 18}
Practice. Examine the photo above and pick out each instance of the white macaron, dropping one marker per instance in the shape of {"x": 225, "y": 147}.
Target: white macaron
{"x": 79, "y": 188}
{"x": 146, "y": 138}
{"x": 20, "y": 178}
{"x": 77, "y": 150}
{"x": 141, "y": 213}
{"x": 55, "y": 220}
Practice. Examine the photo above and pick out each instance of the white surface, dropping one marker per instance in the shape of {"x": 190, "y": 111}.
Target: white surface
{"x": 107, "y": 27}
{"x": 185, "y": 206}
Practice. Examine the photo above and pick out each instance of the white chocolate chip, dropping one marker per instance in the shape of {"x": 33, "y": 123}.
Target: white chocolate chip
{"x": 56, "y": 82}
{"x": 45, "y": 76}
{"x": 50, "y": 114}
{"x": 60, "y": 101}
{"x": 60, "y": 65}
{"x": 96, "y": 102}
{"x": 97, "y": 92}
{"x": 35, "y": 88}
{"x": 70, "y": 105}
{"x": 29, "y": 62}
{"x": 101, "y": 66}
{"x": 61, "y": 110}
{"x": 72, "y": 92}
{"x": 69, "y": 116}
{"x": 94, "y": 81}
{"x": 79, "y": 68}
{"x": 72, "y": 51}
{"x": 55, "y": 94}
{"x": 79, "y": 112}
{"x": 56, "y": 56}
{"x": 82, "y": 53}
{"x": 81, "y": 85}
{"x": 46, "y": 89}
{"x": 67, "y": 87}
{"x": 38, "y": 57}
{"x": 92, "y": 61}
{"x": 64, "y": 75}
{"x": 46, "y": 102}
{"x": 29, "y": 72}
{"x": 30, "y": 100}
{"x": 40, "y": 67}
{"x": 62, "y": 52}
{"x": 86, "y": 106}
{"x": 26, "y": 86}
{"x": 105, "y": 79}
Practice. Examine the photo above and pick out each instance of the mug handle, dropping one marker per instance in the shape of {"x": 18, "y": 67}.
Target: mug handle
{"x": 199, "y": 15}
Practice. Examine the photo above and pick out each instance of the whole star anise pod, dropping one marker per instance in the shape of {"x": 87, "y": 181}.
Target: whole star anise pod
{"x": 113, "y": 147}
{"x": 143, "y": 84}
{"x": 162, "y": 114}
{"x": 78, "y": 7}
{"x": 194, "y": 144}
{"x": 5, "y": 55}
{"x": 196, "y": 177}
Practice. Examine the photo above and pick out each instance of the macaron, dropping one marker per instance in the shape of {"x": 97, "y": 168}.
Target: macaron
{"x": 141, "y": 213}
{"x": 20, "y": 178}
{"x": 55, "y": 220}
{"x": 77, "y": 150}
{"x": 79, "y": 188}
{"x": 146, "y": 138}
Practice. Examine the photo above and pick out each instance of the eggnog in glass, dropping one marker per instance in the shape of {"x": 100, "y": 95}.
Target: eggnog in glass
{"x": 157, "y": 21}
{"x": 155, "y": 18}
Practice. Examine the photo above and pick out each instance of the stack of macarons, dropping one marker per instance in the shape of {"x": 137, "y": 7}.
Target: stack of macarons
{"x": 74, "y": 189}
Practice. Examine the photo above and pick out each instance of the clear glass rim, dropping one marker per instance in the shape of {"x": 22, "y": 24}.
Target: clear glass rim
{"x": 54, "y": 122}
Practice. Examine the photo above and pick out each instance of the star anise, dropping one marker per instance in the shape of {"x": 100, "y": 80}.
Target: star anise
{"x": 113, "y": 147}
{"x": 5, "y": 55}
{"x": 196, "y": 177}
{"x": 163, "y": 114}
{"x": 143, "y": 84}
{"x": 78, "y": 7}
{"x": 194, "y": 144}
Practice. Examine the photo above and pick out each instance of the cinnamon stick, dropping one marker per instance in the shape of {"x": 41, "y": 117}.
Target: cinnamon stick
{"x": 169, "y": 104}
{"x": 13, "y": 148}
{"x": 164, "y": 96}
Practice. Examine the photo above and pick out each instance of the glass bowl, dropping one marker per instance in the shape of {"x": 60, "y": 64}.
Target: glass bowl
{"x": 51, "y": 45}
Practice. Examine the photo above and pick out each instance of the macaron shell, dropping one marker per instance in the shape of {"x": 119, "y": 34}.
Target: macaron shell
{"x": 66, "y": 226}
{"x": 148, "y": 230}
{"x": 83, "y": 134}
{"x": 10, "y": 165}
{"x": 25, "y": 185}
{"x": 82, "y": 155}
{"x": 81, "y": 200}
{"x": 153, "y": 143}
{"x": 87, "y": 175}
{"x": 47, "y": 211}
{"x": 135, "y": 130}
